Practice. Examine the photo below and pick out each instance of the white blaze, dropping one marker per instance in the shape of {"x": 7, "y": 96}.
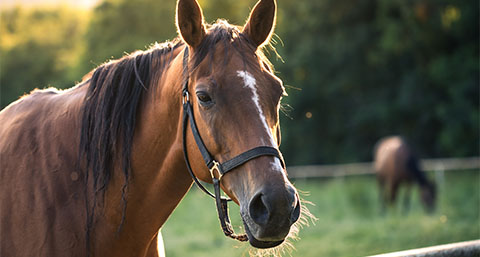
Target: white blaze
{"x": 251, "y": 83}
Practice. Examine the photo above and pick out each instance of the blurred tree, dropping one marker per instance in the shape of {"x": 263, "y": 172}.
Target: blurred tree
{"x": 38, "y": 49}
{"x": 373, "y": 68}
{"x": 122, "y": 26}
{"x": 234, "y": 11}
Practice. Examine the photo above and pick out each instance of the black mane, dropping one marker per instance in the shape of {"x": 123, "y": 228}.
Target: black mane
{"x": 108, "y": 117}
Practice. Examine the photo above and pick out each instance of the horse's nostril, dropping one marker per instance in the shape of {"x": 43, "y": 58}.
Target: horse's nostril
{"x": 296, "y": 212}
{"x": 258, "y": 209}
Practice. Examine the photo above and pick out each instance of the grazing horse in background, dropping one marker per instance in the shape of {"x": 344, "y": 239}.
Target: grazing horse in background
{"x": 97, "y": 169}
{"x": 396, "y": 165}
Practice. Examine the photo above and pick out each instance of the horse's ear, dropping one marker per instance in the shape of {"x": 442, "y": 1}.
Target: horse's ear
{"x": 259, "y": 26}
{"x": 190, "y": 22}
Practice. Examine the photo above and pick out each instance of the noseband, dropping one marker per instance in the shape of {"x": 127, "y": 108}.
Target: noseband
{"x": 217, "y": 169}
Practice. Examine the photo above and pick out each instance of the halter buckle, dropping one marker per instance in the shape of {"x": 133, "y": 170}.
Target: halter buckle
{"x": 216, "y": 166}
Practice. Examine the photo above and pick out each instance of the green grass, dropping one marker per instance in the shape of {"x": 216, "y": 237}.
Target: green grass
{"x": 349, "y": 220}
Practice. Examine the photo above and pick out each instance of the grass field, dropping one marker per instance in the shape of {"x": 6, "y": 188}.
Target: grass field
{"x": 349, "y": 220}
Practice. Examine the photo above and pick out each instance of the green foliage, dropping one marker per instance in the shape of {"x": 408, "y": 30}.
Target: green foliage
{"x": 376, "y": 68}
{"x": 120, "y": 26}
{"x": 38, "y": 48}
{"x": 234, "y": 11}
{"x": 349, "y": 220}
{"x": 364, "y": 69}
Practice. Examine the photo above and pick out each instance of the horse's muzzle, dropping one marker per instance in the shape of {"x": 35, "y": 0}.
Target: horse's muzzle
{"x": 269, "y": 215}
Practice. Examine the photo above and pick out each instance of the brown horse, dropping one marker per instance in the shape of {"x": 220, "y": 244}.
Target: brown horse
{"x": 396, "y": 165}
{"x": 97, "y": 169}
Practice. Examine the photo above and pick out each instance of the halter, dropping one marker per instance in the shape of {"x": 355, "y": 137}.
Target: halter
{"x": 217, "y": 169}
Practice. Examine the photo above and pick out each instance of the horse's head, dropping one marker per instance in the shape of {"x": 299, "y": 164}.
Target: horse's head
{"x": 236, "y": 97}
{"x": 428, "y": 194}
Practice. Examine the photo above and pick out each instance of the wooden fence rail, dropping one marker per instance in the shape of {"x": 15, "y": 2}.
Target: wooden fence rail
{"x": 339, "y": 170}
{"x": 461, "y": 249}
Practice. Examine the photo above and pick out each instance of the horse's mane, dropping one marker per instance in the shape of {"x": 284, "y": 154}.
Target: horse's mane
{"x": 109, "y": 114}
{"x": 115, "y": 90}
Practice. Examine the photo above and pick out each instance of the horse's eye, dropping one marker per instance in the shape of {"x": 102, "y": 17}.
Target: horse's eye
{"x": 204, "y": 98}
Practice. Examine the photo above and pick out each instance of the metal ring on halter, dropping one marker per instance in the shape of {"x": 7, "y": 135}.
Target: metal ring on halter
{"x": 216, "y": 166}
{"x": 186, "y": 97}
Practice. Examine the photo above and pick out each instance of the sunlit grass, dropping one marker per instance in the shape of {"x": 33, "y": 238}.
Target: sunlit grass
{"x": 349, "y": 220}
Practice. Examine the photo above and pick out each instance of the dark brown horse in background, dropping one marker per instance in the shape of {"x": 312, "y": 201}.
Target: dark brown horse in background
{"x": 396, "y": 166}
{"x": 97, "y": 169}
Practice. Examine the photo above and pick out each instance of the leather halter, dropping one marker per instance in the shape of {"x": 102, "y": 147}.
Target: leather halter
{"x": 217, "y": 169}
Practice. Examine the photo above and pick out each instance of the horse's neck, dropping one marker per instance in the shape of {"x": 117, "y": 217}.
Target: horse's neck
{"x": 159, "y": 177}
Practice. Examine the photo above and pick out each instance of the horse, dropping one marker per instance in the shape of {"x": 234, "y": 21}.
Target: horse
{"x": 97, "y": 169}
{"x": 396, "y": 165}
